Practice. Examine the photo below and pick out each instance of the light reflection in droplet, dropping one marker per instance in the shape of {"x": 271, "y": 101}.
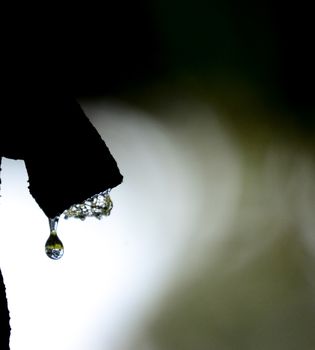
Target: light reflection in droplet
{"x": 54, "y": 247}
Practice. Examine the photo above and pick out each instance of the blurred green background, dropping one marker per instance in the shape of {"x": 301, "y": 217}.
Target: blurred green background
{"x": 262, "y": 46}
{"x": 229, "y": 86}
{"x": 251, "y": 63}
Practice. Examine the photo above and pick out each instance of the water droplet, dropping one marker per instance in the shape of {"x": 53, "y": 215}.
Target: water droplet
{"x": 54, "y": 247}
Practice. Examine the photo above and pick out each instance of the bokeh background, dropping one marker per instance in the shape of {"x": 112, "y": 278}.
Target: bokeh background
{"x": 208, "y": 108}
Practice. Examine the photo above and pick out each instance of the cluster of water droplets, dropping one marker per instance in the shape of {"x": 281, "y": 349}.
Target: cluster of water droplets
{"x": 96, "y": 206}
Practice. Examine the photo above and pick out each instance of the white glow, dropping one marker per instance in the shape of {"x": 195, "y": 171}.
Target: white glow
{"x": 180, "y": 197}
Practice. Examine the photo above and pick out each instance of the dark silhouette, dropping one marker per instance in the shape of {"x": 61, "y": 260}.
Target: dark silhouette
{"x": 66, "y": 159}
{"x": 4, "y": 318}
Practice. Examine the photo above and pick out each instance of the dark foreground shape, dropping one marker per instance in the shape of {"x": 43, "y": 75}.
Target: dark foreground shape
{"x": 66, "y": 159}
{"x": 4, "y": 318}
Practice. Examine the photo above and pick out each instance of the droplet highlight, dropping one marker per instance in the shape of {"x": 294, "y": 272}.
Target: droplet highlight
{"x": 54, "y": 247}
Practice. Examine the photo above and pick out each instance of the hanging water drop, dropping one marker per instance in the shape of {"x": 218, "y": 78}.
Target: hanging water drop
{"x": 54, "y": 247}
